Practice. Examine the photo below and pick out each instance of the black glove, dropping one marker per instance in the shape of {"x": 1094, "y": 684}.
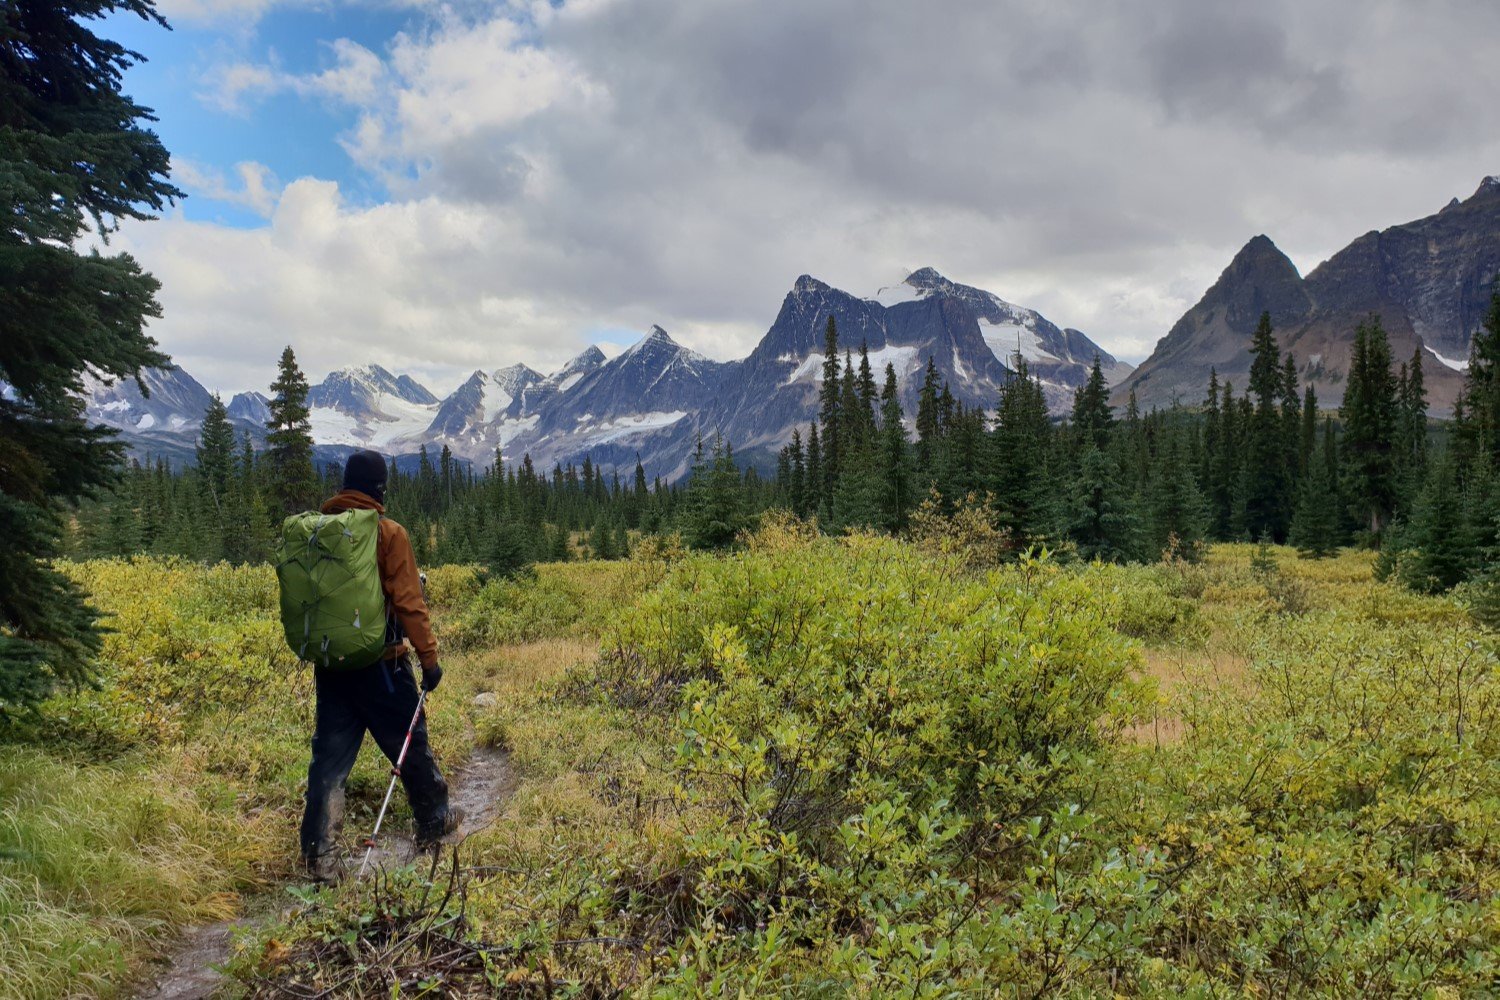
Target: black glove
{"x": 431, "y": 676}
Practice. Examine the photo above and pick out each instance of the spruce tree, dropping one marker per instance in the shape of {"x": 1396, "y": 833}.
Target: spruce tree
{"x": 602, "y": 540}
{"x": 1092, "y": 417}
{"x": 1307, "y": 432}
{"x": 1178, "y": 515}
{"x": 1226, "y": 467}
{"x": 1477, "y": 415}
{"x": 814, "y": 499}
{"x": 1369, "y": 414}
{"x": 559, "y": 545}
{"x": 928, "y": 420}
{"x": 867, "y": 392}
{"x": 290, "y": 477}
{"x": 895, "y": 456}
{"x": 714, "y": 514}
{"x": 1435, "y": 553}
{"x": 1315, "y": 520}
{"x": 1100, "y": 520}
{"x": 76, "y": 157}
{"x": 216, "y": 458}
{"x": 830, "y": 399}
{"x": 1266, "y": 493}
{"x": 1020, "y": 443}
{"x": 509, "y": 552}
{"x": 1410, "y": 441}
{"x": 1208, "y": 454}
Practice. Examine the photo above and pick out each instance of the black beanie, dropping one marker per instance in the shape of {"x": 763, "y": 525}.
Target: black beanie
{"x": 365, "y": 471}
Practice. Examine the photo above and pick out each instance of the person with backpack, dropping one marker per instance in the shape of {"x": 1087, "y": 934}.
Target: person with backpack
{"x": 353, "y": 604}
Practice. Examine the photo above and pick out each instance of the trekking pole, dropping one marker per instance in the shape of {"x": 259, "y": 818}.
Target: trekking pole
{"x": 395, "y": 774}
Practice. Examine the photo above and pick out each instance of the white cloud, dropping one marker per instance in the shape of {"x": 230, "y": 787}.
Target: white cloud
{"x": 244, "y": 14}
{"x": 357, "y": 77}
{"x": 615, "y": 165}
{"x": 254, "y": 186}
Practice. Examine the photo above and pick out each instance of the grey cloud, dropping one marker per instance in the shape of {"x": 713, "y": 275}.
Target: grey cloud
{"x": 1101, "y": 162}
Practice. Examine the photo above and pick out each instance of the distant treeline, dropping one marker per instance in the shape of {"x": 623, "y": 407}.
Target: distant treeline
{"x": 1266, "y": 463}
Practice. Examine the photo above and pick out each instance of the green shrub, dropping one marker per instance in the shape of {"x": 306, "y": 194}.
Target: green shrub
{"x": 1333, "y": 829}
{"x": 1144, "y": 602}
{"x": 512, "y": 611}
{"x": 855, "y": 721}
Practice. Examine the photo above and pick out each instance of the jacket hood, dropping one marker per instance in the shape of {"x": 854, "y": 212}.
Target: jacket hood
{"x": 351, "y": 500}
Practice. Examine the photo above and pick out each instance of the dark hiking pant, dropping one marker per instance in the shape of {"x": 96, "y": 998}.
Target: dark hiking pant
{"x": 379, "y": 698}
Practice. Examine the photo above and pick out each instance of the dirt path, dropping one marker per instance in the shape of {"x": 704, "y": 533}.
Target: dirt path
{"x": 479, "y": 788}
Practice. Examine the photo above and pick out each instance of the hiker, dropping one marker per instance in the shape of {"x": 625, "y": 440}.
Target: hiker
{"x": 380, "y": 697}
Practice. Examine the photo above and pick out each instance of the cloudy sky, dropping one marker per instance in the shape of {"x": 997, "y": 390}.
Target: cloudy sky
{"x": 440, "y": 187}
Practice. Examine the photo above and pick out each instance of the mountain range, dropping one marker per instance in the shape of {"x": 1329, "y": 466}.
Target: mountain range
{"x": 654, "y": 400}
{"x": 1429, "y": 281}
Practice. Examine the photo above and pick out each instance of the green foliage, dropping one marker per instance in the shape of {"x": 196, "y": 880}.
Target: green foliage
{"x": 1369, "y": 413}
{"x": 1315, "y": 523}
{"x": 291, "y": 481}
{"x": 1327, "y": 822}
{"x": 1092, "y": 417}
{"x": 76, "y": 154}
{"x": 856, "y": 719}
{"x": 1266, "y": 490}
{"x": 509, "y": 554}
{"x": 1102, "y": 522}
{"x": 714, "y": 506}
{"x": 1146, "y": 605}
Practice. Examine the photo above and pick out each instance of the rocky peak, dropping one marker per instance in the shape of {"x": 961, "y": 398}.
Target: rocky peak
{"x": 658, "y": 335}
{"x": 1259, "y": 279}
{"x": 514, "y": 378}
{"x": 927, "y": 279}
{"x": 413, "y": 391}
{"x": 358, "y": 385}
{"x": 250, "y": 407}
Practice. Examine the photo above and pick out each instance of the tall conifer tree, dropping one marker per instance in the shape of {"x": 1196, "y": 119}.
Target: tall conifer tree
{"x": 1092, "y": 417}
{"x": 76, "y": 155}
{"x": 290, "y": 476}
{"x": 1369, "y": 414}
{"x": 1265, "y": 484}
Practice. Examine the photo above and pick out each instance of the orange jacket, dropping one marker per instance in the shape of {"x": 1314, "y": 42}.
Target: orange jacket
{"x": 398, "y": 577}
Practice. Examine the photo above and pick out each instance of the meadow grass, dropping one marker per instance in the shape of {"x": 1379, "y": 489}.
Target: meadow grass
{"x": 1299, "y": 797}
{"x": 1303, "y": 803}
{"x": 170, "y": 794}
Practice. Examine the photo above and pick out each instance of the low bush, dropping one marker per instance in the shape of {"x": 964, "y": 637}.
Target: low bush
{"x": 1144, "y": 602}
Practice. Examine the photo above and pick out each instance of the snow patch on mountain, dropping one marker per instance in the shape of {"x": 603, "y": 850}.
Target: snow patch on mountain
{"x": 892, "y": 295}
{"x": 330, "y": 426}
{"x": 903, "y": 357}
{"x": 613, "y": 430}
{"x": 1013, "y": 336}
{"x": 1455, "y": 364}
{"x": 494, "y": 401}
{"x": 394, "y": 420}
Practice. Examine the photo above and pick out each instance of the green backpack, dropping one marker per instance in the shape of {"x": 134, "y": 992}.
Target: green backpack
{"x": 332, "y": 604}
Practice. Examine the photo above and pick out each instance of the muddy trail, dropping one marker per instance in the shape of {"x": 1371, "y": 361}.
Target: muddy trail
{"x": 480, "y": 788}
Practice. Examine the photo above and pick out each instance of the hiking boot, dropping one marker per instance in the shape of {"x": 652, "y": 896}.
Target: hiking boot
{"x": 430, "y": 837}
{"x": 325, "y": 868}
